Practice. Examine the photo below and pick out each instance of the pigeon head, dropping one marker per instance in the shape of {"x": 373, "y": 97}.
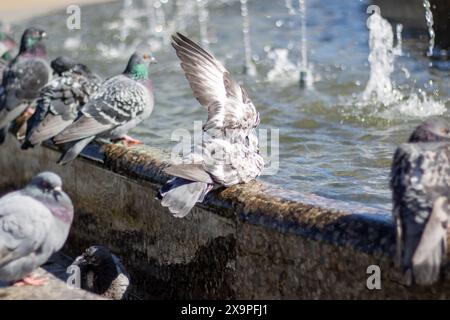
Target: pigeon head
{"x": 46, "y": 187}
{"x": 47, "y": 181}
{"x": 138, "y": 65}
{"x": 32, "y": 41}
{"x": 63, "y": 64}
{"x": 432, "y": 130}
{"x": 100, "y": 272}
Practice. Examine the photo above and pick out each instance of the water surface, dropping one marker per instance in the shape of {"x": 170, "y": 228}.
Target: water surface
{"x": 330, "y": 144}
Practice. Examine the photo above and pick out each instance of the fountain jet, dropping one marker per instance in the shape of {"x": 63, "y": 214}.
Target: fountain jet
{"x": 203, "y": 16}
{"x": 249, "y": 67}
{"x": 430, "y": 23}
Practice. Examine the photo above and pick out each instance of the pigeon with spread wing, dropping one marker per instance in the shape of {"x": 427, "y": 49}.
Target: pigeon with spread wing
{"x": 229, "y": 153}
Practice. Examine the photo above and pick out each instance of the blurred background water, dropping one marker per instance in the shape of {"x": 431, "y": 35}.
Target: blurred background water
{"x": 336, "y": 137}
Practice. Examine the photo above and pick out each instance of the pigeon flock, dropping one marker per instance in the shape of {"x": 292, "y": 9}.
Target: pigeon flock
{"x": 65, "y": 103}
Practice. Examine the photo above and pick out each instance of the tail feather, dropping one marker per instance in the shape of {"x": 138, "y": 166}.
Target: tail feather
{"x": 74, "y": 150}
{"x": 427, "y": 271}
{"x": 430, "y": 253}
{"x": 180, "y": 195}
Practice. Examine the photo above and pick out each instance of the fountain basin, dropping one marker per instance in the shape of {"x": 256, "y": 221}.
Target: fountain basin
{"x": 251, "y": 241}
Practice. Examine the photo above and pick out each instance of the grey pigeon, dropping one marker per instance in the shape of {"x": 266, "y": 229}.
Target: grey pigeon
{"x": 229, "y": 153}
{"x": 103, "y": 273}
{"x": 120, "y": 104}
{"x": 61, "y": 100}
{"x": 23, "y": 79}
{"x": 420, "y": 183}
{"x": 34, "y": 223}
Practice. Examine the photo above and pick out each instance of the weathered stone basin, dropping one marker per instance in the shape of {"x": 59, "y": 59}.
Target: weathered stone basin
{"x": 246, "y": 242}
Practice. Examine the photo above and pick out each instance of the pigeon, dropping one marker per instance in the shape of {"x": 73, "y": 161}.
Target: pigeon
{"x": 102, "y": 273}
{"x": 23, "y": 79}
{"x": 229, "y": 152}
{"x": 61, "y": 100}
{"x": 120, "y": 104}
{"x": 34, "y": 223}
{"x": 420, "y": 183}
{"x": 7, "y": 44}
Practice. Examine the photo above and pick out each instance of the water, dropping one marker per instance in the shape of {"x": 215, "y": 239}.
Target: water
{"x": 249, "y": 67}
{"x": 305, "y": 70}
{"x": 203, "y": 16}
{"x": 430, "y": 22}
{"x": 381, "y": 60}
{"x": 332, "y": 143}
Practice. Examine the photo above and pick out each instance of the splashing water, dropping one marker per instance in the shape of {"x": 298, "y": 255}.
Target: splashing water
{"x": 184, "y": 10}
{"x": 398, "y": 32}
{"x": 284, "y": 70}
{"x": 381, "y": 60}
{"x": 379, "y": 88}
{"x": 161, "y": 28}
{"x": 203, "y": 16}
{"x": 249, "y": 67}
{"x": 290, "y": 7}
{"x": 128, "y": 22}
{"x": 430, "y": 23}
{"x": 306, "y": 79}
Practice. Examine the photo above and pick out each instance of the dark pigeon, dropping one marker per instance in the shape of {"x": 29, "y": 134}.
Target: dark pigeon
{"x": 34, "y": 223}
{"x": 103, "y": 273}
{"x": 420, "y": 183}
{"x": 230, "y": 149}
{"x": 121, "y": 103}
{"x": 61, "y": 100}
{"x": 23, "y": 79}
{"x": 7, "y": 44}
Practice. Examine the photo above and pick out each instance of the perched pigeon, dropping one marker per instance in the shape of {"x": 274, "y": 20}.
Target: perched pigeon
{"x": 229, "y": 153}
{"x": 420, "y": 183}
{"x": 23, "y": 79}
{"x": 61, "y": 100}
{"x": 103, "y": 273}
{"x": 34, "y": 223}
{"x": 6, "y": 45}
{"x": 121, "y": 103}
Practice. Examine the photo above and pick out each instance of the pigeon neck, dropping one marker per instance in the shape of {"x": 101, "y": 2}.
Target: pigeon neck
{"x": 33, "y": 48}
{"x": 139, "y": 72}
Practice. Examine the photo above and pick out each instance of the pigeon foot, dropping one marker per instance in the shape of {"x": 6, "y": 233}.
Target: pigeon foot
{"x": 128, "y": 141}
{"x": 31, "y": 281}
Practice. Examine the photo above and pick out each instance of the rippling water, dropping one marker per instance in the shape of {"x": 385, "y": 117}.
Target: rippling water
{"x": 330, "y": 143}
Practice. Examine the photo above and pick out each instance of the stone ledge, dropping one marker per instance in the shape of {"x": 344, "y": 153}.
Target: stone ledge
{"x": 55, "y": 289}
{"x": 245, "y": 242}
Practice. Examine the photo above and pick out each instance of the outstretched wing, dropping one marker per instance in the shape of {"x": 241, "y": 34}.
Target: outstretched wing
{"x": 229, "y": 106}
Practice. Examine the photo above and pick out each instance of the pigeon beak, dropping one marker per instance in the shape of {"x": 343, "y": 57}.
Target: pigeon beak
{"x": 58, "y": 189}
{"x": 153, "y": 60}
{"x": 44, "y": 35}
